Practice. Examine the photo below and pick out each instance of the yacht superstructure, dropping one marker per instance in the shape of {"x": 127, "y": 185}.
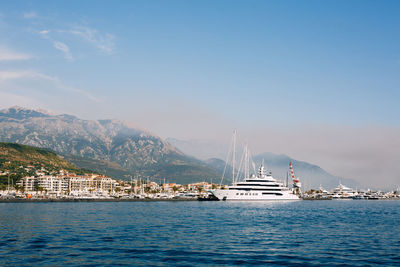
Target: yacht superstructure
{"x": 343, "y": 191}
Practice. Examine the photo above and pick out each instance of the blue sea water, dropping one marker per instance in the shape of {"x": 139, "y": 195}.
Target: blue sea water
{"x": 345, "y": 233}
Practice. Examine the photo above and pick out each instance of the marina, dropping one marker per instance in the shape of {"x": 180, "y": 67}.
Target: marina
{"x": 119, "y": 141}
{"x": 260, "y": 187}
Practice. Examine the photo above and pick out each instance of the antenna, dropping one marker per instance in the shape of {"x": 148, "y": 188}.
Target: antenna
{"x": 287, "y": 179}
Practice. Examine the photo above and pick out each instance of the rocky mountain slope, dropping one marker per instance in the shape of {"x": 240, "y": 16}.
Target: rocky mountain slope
{"x": 134, "y": 151}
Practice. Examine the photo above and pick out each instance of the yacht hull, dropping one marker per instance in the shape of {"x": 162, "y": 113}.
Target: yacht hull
{"x": 252, "y": 195}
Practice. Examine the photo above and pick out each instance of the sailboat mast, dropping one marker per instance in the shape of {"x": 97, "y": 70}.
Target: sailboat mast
{"x": 233, "y": 156}
{"x": 246, "y": 163}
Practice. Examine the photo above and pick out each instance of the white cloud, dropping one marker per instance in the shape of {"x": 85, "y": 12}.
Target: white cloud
{"x": 30, "y": 15}
{"x": 104, "y": 42}
{"x": 25, "y": 74}
{"x": 44, "y": 32}
{"x": 63, "y": 48}
{"x": 9, "y": 55}
{"x": 57, "y": 44}
{"x": 12, "y": 75}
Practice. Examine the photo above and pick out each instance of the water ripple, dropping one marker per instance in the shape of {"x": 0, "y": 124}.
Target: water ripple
{"x": 335, "y": 233}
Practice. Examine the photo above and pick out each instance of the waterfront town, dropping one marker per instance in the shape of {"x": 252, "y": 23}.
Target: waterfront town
{"x": 66, "y": 185}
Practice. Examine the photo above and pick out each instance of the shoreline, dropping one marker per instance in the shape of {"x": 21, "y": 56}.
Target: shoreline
{"x": 23, "y": 200}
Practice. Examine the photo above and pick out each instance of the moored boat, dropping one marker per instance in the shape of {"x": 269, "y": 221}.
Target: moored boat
{"x": 260, "y": 187}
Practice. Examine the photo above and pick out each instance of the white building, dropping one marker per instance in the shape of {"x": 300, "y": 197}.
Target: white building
{"x": 67, "y": 184}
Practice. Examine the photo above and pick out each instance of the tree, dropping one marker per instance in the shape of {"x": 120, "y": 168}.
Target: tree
{"x": 38, "y": 188}
{"x": 175, "y": 188}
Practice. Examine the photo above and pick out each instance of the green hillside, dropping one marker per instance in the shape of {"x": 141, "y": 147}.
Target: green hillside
{"x": 108, "y": 168}
{"x": 181, "y": 172}
{"x": 17, "y": 161}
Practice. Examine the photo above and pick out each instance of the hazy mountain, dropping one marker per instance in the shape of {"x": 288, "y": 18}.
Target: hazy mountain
{"x": 200, "y": 149}
{"x": 312, "y": 176}
{"x": 220, "y": 166}
{"x": 133, "y": 150}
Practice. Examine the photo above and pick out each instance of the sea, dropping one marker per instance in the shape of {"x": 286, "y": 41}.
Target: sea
{"x": 191, "y": 233}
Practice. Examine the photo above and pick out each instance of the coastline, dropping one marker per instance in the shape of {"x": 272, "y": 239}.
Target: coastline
{"x": 24, "y": 200}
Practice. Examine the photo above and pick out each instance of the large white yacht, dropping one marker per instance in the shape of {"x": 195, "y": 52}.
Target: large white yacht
{"x": 260, "y": 187}
{"x": 343, "y": 192}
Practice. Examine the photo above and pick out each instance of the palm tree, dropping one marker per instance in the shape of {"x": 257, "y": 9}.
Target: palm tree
{"x": 175, "y": 188}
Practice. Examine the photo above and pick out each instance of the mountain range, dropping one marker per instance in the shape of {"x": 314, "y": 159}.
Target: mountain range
{"x": 121, "y": 150}
{"x": 118, "y": 150}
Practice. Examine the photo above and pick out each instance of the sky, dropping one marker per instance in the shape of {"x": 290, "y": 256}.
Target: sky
{"x": 316, "y": 80}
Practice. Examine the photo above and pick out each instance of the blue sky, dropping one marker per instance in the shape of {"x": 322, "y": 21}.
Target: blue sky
{"x": 193, "y": 69}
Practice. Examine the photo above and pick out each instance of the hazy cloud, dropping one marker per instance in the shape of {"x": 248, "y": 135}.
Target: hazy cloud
{"x": 6, "y": 98}
{"x": 103, "y": 42}
{"x": 9, "y": 55}
{"x": 57, "y": 44}
{"x": 12, "y": 75}
{"x": 367, "y": 154}
{"x": 63, "y": 48}
{"x": 54, "y": 82}
{"x": 30, "y": 15}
